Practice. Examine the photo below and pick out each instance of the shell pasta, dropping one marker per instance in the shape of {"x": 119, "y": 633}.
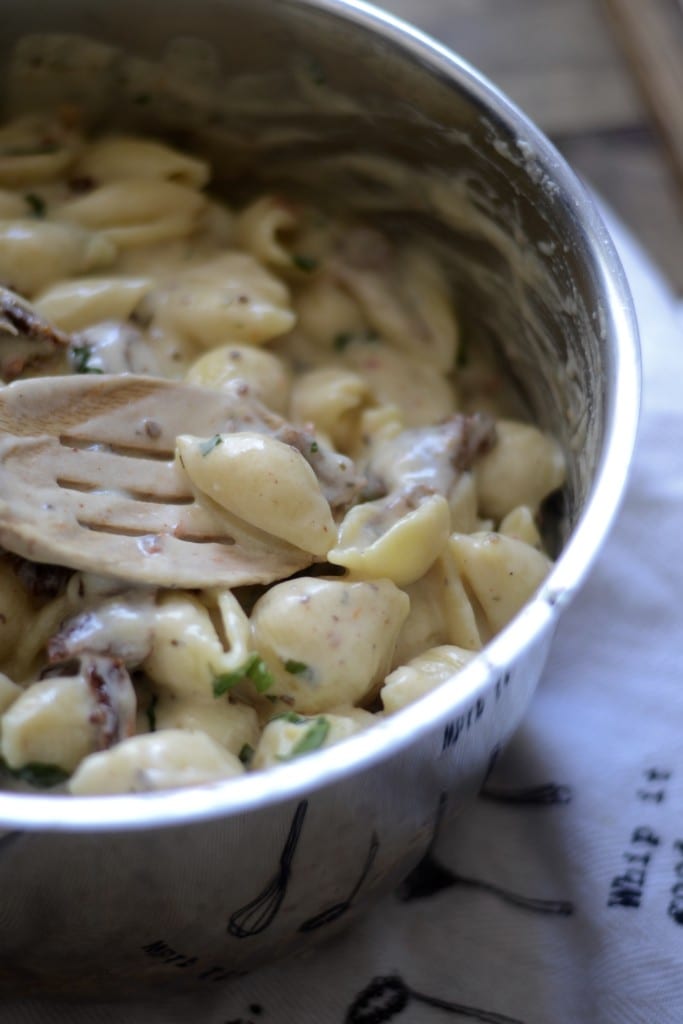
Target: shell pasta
{"x": 357, "y": 443}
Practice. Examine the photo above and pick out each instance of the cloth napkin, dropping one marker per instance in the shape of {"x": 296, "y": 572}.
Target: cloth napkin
{"x": 558, "y": 898}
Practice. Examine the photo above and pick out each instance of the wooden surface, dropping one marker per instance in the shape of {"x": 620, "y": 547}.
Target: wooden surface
{"x": 565, "y": 64}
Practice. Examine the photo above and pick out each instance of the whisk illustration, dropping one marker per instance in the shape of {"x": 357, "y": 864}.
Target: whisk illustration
{"x": 254, "y": 917}
{"x": 337, "y": 909}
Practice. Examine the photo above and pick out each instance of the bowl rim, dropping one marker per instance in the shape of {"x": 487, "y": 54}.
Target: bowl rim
{"x": 389, "y": 737}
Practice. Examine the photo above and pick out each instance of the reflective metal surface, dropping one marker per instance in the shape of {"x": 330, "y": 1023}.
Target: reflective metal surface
{"x": 347, "y": 104}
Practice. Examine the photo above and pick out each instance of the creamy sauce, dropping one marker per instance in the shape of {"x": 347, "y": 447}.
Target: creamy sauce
{"x": 379, "y": 471}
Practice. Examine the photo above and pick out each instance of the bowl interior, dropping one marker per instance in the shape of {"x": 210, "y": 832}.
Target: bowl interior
{"x": 345, "y": 105}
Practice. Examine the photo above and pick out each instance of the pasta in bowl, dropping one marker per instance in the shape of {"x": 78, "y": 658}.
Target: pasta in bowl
{"x": 380, "y": 458}
{"x": 433, "y": 312}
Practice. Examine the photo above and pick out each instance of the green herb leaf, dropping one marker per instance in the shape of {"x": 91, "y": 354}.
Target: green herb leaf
{"x": 306, "y": 263}
{"x": 314, "y": 447}
{"x": 312, "y": 739}
{"x": 259, "y": 675}
{"x": 42, "y": 776}
{"x": 299, "y": 668}
{"x": 208, "y": 446}
{"x": 81, "y": 356}
{"x": 37, "y": 204}
{"x": 225, "y": 681}
{"x": 246, "y": 753}
{"x": 289, "y": 716}
{"x": 254, "y": 668}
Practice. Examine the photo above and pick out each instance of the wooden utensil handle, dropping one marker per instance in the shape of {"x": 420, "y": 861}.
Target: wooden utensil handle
{"x": 651, "y": 34}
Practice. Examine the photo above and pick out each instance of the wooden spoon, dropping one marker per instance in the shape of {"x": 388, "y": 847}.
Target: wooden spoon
{"x": 87, "y": 480}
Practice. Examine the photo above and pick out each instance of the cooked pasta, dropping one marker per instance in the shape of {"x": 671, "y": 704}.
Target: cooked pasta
{"x": 420, "y": 522}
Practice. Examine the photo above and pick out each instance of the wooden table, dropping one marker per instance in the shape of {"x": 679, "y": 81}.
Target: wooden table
{"x": 561, "y": 61}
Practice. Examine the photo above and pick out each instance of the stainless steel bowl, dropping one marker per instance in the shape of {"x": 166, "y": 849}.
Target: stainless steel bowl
{"x": 191, "y": 886}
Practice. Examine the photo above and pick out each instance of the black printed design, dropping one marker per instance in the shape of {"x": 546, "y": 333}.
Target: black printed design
{"x": 337, "y": 909}
{"x": 547, "y": 794}
{"x": 427, "y": 879}
{"x": 259, "y": 913}
{"x": 561, "y": 907}
{"x": 384, "y": 998}
{"x": 543, "y": 795}
{"x": 430, "y": 876}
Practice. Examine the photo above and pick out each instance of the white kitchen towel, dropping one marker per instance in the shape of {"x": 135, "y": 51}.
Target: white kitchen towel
{"x": 558, "y": 898}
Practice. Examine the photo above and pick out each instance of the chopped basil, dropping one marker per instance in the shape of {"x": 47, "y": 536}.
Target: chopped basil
{"x": 37, "y": 204}
{"x": 314, "y": 447}
{"x": 259, "y": 674}
{"x": 312, "y": 739}
{"x": 246, "y": 753}
{"x": 225, "y": 681}
{"x": 42, "y": 776}
{"x": 289, "y": 716}
{"x": 151, "y": 712}
{"x": 299, "y": 668}
{"x": 254, "y": 668}
{"x": 208, "y": 446}
{"x": 81, "y": 356}
{"x": 306, "y": 263}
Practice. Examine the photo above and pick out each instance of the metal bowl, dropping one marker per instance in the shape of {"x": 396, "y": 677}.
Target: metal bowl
{"x": 191, "y": 886}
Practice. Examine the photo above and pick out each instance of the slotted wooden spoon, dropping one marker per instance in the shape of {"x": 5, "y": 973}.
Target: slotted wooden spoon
{"x": 87, "y": 480}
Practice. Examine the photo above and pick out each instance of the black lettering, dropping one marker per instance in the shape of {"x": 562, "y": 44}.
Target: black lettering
{"x": 656, "y": 775}
{"x": 501, "y": 683}
{"x": 622, "y": 895}
{"x": 656, "y": 796}
{"x": 637, "y": 858}
{"x": 157, "y": 948}
{"x": 675, "y": 911}
{"x": 161, "y": 951}
{"x": 451, "y": 733}
{"x": 634, "y": 876}
{"x": 173, "y": 959}
{"x": 645, "y": 835}
{"x": 675, "y": 908}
